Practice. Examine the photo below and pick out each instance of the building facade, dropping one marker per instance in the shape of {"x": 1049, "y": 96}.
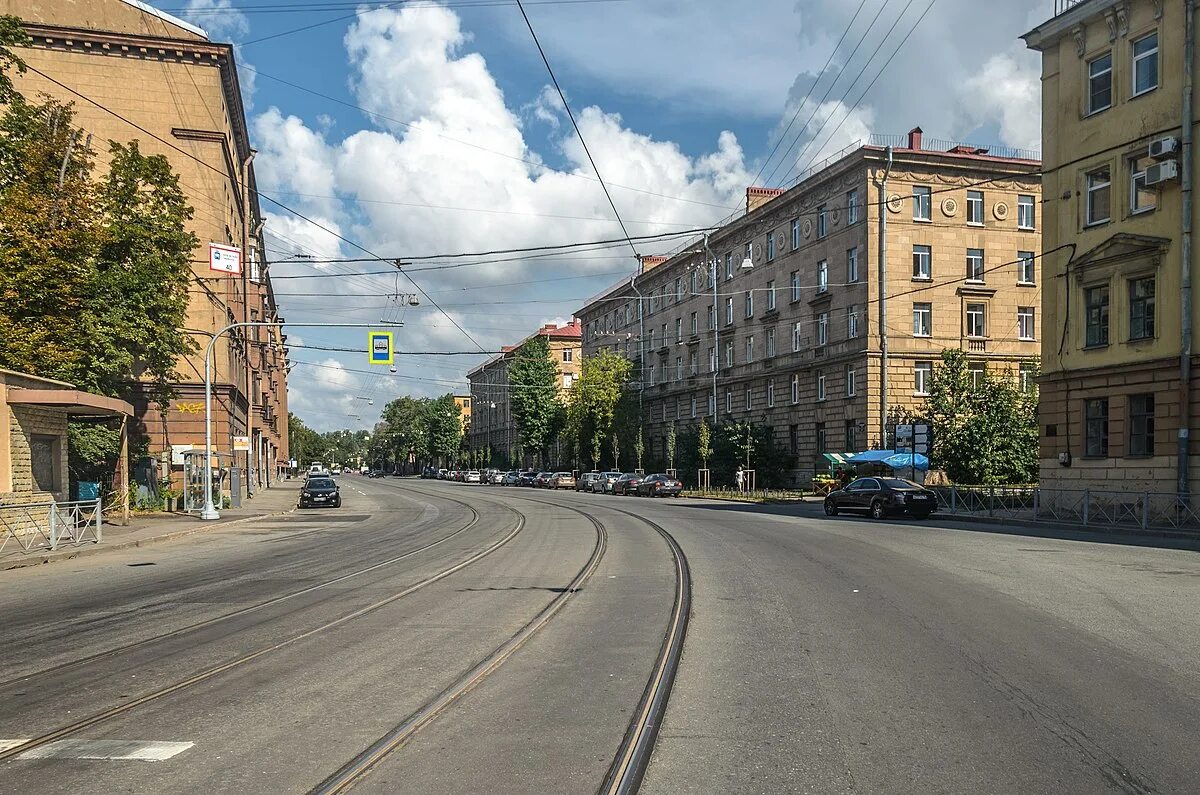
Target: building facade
{"x": 789, "y": 334}
{"x": 1117, "y": 401}
{"x": 493, "y": 425}
{"x": 188, "y": 106}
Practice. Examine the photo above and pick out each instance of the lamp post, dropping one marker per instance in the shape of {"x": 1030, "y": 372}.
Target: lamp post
{"x": 209, "y": 512}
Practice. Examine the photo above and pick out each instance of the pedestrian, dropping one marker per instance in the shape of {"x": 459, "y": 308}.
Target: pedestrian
{"x": 740, "y": 478}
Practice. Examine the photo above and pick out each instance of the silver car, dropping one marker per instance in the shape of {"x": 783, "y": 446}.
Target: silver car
{"x": 604, "y": 483}
{"x": 472, "y": 476}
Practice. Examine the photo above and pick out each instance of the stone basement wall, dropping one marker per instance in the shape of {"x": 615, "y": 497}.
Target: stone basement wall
{"x": 27, "y": 421}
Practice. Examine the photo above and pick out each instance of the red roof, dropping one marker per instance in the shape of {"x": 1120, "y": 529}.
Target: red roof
{"x": 571, "y": 331}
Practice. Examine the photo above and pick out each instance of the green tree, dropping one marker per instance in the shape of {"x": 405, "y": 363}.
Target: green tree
{"x": 12, "y": 34}
{"x": 443, "y": 428}
{"x": 639, "y": 447}
{"x": 533, "y": 378}
{"x": 671, "y": 446}
{"x": 704, "y": 443}
{"x": 594, "y": 400}
{"x": 403, "y": 429}
{"x": 304, "y": 444}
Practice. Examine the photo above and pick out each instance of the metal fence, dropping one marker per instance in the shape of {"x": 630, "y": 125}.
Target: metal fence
{"x": 52, "y": 525}
{"x": 1118, "y": 510}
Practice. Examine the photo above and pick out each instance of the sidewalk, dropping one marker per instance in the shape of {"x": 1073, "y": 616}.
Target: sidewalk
{"x": 155, "y": 527}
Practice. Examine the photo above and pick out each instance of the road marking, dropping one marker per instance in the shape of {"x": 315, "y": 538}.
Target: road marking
{"x": 116, "y": 750}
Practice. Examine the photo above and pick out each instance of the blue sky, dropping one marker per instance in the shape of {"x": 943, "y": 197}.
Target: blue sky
{"x": 680, "y": 102}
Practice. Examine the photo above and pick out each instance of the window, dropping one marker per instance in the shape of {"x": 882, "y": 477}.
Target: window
{"x": 1026, "y": 218}
{"x": 729, "y": 354}
{"x": 693, "y": 363}
{"x": 1145, "y": 64}
{"x": 975, "y": 207}
{"x": 822, "y": 220}
{"x": 1025, "y": 264}
{"x": 664, "y": 335}
{"x": 823, "y": 328}
{"x": 628, "y": 314}
{"x": 822, "y": 276}
{"x": 770, "y": 246}
{"x": 851, "y": 435}
{"x": 710, "y": 275}
{"x": 568, "y": 355}
{"x": 749, "y": 399}
{"x": 976, "y": 320}
{"x": 795, "y": 389}
{"x": 695, "y": 281}
{"x": 1100, "y": 83}
{"x": 1095, "y": 414}
{"x": 1141, "y": 308}
{"x": 653, "y": 371}
{"x": 852, "y": 207}
{"x": 922, "y": 203}
{"x": 852, "y": 265}
{"x": 679, "y": 329}
{"x": 650, "y": 342}
{"x": 728, "y": 265}
{"x": 45, "y": 450}
{"x": 712, "y": 360}
{"x": 770, "y": 342}
{"x": 821, "y": 446}
{"x": 728, "y": 311}
{"x": 795, "y": 233}
{"x": 771, "y": 296}
{"x": 1026, "y": 376}
{"x": 820, "y": 386}
{"x": 712, "y": 318}
{"x": 749, "y": 303}
{"x": 750, "y": 251}
{"x": 976, "y": 372}
{"x": 922, "y": 377}
{"x": 1141, "y": 425}
{"x": 851, "y": 382}
{"x": 693, "y": 407}
{"x": 795, "y": 285}
{"x": 1025, "y": 323}
{"x": 1142, "y": 198}
{"x": 678, "y": 368}
{"x": 770, "y": 394}
{"x": 750, "y": 349}
{"x": 923, "y": 320}
{"x": 852, "y": 321}
{"x": 695, "y": 327}
{"x": 922, "y": 262}
{"x": 1095, "y": 301}
{"x": 974, "y": 264}
{"x": 796, "y": 338}
{"x": 712, "y": 405}
{"x": 1099, "y": 194}
{"x": 728, "y": 401}
{"x": 678, "y": 289}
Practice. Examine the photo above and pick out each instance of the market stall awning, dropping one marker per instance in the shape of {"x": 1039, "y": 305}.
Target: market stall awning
{"x": 838, "y": 458}
{"x": 891, "y": 458}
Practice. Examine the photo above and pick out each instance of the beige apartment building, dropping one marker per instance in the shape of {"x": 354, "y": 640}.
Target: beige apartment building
{"x": 123, "y": 63}
{"x": 492, "y": 423}
{"x": 793, "y": 333}
{"x": 1117, "y": 401}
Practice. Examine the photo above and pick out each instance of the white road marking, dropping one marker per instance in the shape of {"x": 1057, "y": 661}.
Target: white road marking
{"x": 117, "y": 750}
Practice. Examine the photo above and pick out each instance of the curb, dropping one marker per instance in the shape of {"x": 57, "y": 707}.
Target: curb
{"x": 82, "y": 552}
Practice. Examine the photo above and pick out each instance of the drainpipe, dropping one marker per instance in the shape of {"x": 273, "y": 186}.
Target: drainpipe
{"x": 1182, "y": 486}
{"x": 712, "y": 272}
{"x": 883, "y": 334}
{"x": 641, "y": 352}
{"x": 251, "y": 468}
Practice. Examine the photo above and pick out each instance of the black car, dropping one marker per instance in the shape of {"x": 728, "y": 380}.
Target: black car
{"x": 659, "y": 486}
{"x": 527, "y": 478}
{"x": 627, "y": 484}
{"x": 320, "y": 491}
{"x": 882, "y": 497}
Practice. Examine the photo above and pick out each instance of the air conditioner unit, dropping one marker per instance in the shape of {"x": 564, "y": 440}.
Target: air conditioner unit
{"x": 1164, "y": 148}
{"x": 1162, "y": 172}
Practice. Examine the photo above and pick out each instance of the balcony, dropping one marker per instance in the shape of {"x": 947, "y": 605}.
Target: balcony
{"x": 1063, "y": 6}
{"x": 977, "y": 346}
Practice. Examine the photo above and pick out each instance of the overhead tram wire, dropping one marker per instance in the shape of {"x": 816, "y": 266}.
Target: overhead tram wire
{"x": 575, "y": 124}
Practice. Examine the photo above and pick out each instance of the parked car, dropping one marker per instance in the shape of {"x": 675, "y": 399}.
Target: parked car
{"x": 320, "y": 492}
{"x": 335, "y": 470}
{"x": 659, "y": 486}
{"x": 882, "y": 497}
{"x": 472, "y": 476}
{"x": 604, "y": 483}
{"x": 561, "y": 480}
{"x": 626, "y": 484}
{"x": 510, "y": 478}
{"x": 526, "y": 478}
{"x": 585, "y": 481}
{"x": 542, "y": 481}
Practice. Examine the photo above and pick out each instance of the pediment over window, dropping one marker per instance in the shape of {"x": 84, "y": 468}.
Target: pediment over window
{"x": 1122, "y": 247}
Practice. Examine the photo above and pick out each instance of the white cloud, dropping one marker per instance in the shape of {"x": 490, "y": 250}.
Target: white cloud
{"x": 1006, "y": 91}
{"x": 219, "y": 18}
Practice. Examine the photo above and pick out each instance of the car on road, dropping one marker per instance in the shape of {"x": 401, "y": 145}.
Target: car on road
{"x": 659, "y": 486}
{"x": 561, "y": 480}
{"x": 472, "y": 476}
{"x": 881, "y": 497}
{"x": 526, "y": 478}
{"x": 510, "y": 478}
{"x": 321, "y": 491}
{"x": 335, "y": 470}
{"x": 604, "y": 483}
{"x": 542, "y": 481}
{"x": 494, "y": 477}
{"x": 627, "y": 484}
{"x": 584, "y": 482}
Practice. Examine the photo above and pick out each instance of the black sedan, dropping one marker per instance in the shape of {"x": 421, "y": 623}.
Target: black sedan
{"x": 882, "y": 497}
{"x": 320, "y": 491}
{"x": 627, "y": 484}
{"x": 527, "y": 478}
{"x": 659, "y": 486}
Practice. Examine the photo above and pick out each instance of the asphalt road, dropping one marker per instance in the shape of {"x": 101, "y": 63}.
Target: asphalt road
{"x": 822, "y": 655}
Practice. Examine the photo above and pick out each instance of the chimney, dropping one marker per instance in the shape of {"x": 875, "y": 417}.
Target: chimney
{"x": 914, "y": 138}
{"x": 757, "y": 197}
{"x": 651, "y": 261}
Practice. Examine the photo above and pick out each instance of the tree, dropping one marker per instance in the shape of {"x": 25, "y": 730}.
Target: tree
{"x": 704, "y": 442}
{"x": 592, "y": 407}
{"x": 533, "y": 377}
{"x": 671, "y": 446}
{"x": 639, "y": 447}
{"x": 403, "y": 429}
{"x": 304, "y": 444}
{"x": 443, "y": 427}
{"x": 12, "y": 34}
{"x": 615, "y": 443}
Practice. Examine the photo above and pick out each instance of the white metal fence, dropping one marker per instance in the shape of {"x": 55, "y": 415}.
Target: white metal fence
{"x": 1118, "y": 510}
{"x": 50, "y": 525}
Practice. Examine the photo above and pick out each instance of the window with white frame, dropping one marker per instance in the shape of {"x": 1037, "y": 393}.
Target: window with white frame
{"x": 650, "y": 341}
{"x": 679, "y": 329}
{"x": 749, "y": 399}
{"x": 795, "y": 233}
{"x": 1025, "y": 267}
{"x": 653, "y": 373}
{"x": 1025, "y": 323}
{"x": 976, "y": 320}
{"x": 796, "y": 337}
{"x": 1027, "y": 376}
{"x": 695, "y": 281}
{"x": 770, "y": 246}
{"x": 678, "y": 289}
{"x": 1100, "y": 83}
{"x": 729, "y": 354}
{"x": 1142, "y": 197}
{"x": 976, "y": 372}
{"x": 712, "y": 360}
{"x": 852, "y": 265}
{"x": 822, "y": 221}
{"x": 729, "y": 310}
{"x": 820, "y": 386}
{"x": 749, "y": 300}
{"x": 852, "y": 315}
{"x": 771, "y": 296}
{"x": 852, "y": 207}
{"x": 678, "y": 368}
{"x": 922, "y": 262}
{"x": 712, "y": 318}
{"x": 770, "y": 394}
{"x": 749, "y": 253}
{"x": 975, "y": 207}
{"x": 712, "y": 405}
{"x": 728, "y": 401}
{"x": 922, "y": 203}
{"x": 1026, "y": 212}
{"x": 1145, "y": 64}
{"x": 710, "y": 274}
{"x": 795, "y": 389}
{"x": 728, "y": 265}
{"x": 974, "y": 264}
{"x": 1099, "y": 196}
{"x": 749, "y": 349}
{"x": 568, "y": 355}
{"x": 851, "y": 381}
{"x": 694, "y": 325}
{"x": 693, "y": 407}
{"x": 922, "y": 320}
{"x": 823, "y": 328}
{"x": 822, "y": 276}
{"x": 795, "y": 286}
{"x": 922, "y": 377}
{"x": 770, "y": 342}
{"x": 693, "y": 363}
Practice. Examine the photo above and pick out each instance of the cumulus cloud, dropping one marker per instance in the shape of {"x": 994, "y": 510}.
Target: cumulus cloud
{"x": 1006, "y": 91}
{"x": 219, "y": 18}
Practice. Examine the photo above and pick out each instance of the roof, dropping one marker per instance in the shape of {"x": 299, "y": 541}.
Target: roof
{"x": 73, "y": 400}
{"x": 163, "y": 15}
